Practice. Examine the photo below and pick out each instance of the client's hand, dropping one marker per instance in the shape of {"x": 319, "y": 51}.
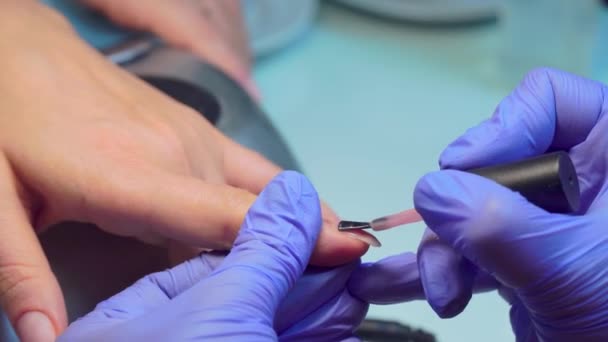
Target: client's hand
{"x": 83, "y": 140}
{"x": 240, "y": 297}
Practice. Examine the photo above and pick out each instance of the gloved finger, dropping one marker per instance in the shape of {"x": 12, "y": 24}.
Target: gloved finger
{"x": 154, "y": 290}
{"x": 330, "y": 316}
{"x": 144, "y": 296}
{"x": 333, "y": 248}
{"x": 397, "y": 279}
{"x": 522, "y": 325}
{"x": 295, "y": 315}
{"x": 111, "y": 320}
{"x": 519, "y": 315}
{"x": 170, "y": 284}
{"x": 333, "y": 321}
{"x": 187, "y": 274}
{"x": 29, "y": 292}
{"x": 319, "y": 283}
{"x": 273, "y": 246}
{"x": 449, "y": 280}
{"x": 590, "y": 167}
{"x": 550, "y": 109}
{"x": 447, "y": 277}
{"x": 391, "y": 280}
{"x": 492, "y": 226}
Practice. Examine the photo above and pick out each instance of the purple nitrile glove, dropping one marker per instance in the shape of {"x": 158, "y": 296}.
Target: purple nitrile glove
{"x": 396, "y": 279}
{"x": 255, "y": 293}
{"x": 552, "y": 268}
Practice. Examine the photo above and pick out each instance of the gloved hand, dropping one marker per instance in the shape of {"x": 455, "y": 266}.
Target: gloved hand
{"x": 236, "y": 298}
{"x": 551, "y": 268}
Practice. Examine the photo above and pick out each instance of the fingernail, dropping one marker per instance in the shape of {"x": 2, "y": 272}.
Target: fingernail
{"x": 35, "y": 326}
{"x": 365, "y": 237}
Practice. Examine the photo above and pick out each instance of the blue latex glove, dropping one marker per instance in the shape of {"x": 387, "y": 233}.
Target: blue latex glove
{"x": 552, "y": 268}
{"x": 235, "y": 298}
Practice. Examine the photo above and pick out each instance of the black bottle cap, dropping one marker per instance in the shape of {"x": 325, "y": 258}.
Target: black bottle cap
{"x": 549, "y": 181}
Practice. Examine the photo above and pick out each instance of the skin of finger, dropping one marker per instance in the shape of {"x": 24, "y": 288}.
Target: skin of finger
{"x": 26, "y": 281}
{"x": 190, "y": 210}
{"x": 237, "y": 158}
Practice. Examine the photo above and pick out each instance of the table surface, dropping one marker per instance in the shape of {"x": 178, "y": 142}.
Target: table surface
{"x": 367, "y": 106}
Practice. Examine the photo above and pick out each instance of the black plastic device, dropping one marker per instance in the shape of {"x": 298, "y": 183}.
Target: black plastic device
{"x": 549, "y": 180}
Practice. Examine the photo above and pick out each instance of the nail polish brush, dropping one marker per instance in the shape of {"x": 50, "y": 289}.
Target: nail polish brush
{"x": 548, "y": 181}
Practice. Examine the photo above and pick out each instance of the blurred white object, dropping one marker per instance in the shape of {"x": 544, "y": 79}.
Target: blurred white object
{"x": 273, "y": 24}
{"x": 430, "y": 11}
{"x": 555, "y": 33}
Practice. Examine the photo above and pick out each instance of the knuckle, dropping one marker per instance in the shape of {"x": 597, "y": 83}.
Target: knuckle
{"x": 109, "y": 138}
{"x": 131, "y": 145}
{"x": 239, "y": 199}
{"x": 172, "y": 140}
{"x": 14, "y": 279}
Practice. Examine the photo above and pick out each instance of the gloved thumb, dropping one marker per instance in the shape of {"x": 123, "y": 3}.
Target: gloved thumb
{"x": 495, "y": 228}
{"x": 270, "y": 253}
{"x": 273, "y": 247}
